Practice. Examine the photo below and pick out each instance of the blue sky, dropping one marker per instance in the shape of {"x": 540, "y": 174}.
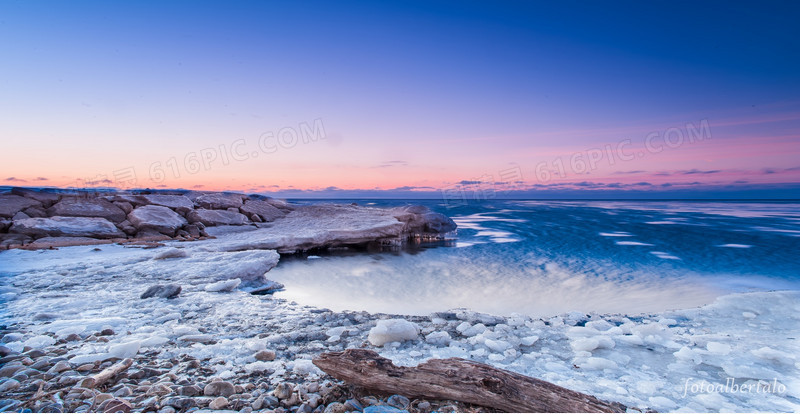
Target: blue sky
{"x": 420, "y": 95}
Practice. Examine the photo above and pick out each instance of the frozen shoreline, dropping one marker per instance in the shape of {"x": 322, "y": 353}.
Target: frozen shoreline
{"x": 645, "y": 361}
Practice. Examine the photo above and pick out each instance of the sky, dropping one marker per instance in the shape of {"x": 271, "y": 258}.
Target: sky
{"x": 410, "y": 99}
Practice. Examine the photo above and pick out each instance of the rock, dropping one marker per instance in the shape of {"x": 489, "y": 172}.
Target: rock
{"x": 11, "y": 204}
{"x": 59, "y": 367}
{"x": 283, "y": 391}
{"x": 193, "y": 230}
{"x": 219, "y": 201}
{"x": 99, "y": 398}
{"x": 219, "y": 388}
{"x": 398, "y": 401}
{"x": 162, "y": 291}
{"x": 67, "y": 226}
{"x": 9, "y": 385}
{"x": 266, "y": 211}
{"x": 123, "y": 392}
{"x": 4, "y": 224}
{"x": 223, "y": 286}
{"x": 44, "y": 197}
{"x": 170, "y": 253}
{"x": 420, "y": 220}
{"x": 304, "y": 408}
{"x": 35, "y": 212}
{"x": 217, "y": 217}
{"x": 202, "y": 339}
{"x": 159, "y": 390}
{"x": 336, "y": 408}
{"x": 14, "y": 239}
{"x": 55, "y": 242}
{"x": 353, "y": 405}
{"x": 392, "y": 330}
{"x": 424, "y": 406}
{"x": 5, "y": 351}
{"x": 158, "y": 218}
{"x": 179, "y": 203}
{"x": 124, "y": 206}
{"x": 87, "y": 207}
{"x": 190, "y": 391}
{"x": 265, "y": 355}
{"x": 218, "y": 403}
{"x": 20, "y": 216}
{"x": 115, "y": 405}
{"x": 151, "y": 235}
{"x": 178, "y": 403}
{"x": 383, "y": 409}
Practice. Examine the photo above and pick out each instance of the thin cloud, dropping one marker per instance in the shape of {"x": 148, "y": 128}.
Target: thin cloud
{"x": 16, "y": 180}
{"x": 394, "y": 163}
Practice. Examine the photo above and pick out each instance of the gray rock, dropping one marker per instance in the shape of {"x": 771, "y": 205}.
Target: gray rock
{"x": 124, "y": 206}
{"x": 158, "y": 218}
{"x": 217, "y": 217}
{"x": 263, "y": 209}
{"x": 219, "y": 201}
{"x": 5, "y": 351}
{"x": 87, "y": 207}
{"x": 11, "y": 204}
{"x": 67, "y": 226}
{"x": 353, "y": 405}
{"x": 399, "y": 401}
{"x": 45, "y": 197}
{"x": 162, "y": 291}
{"x": 219, "y": 388}
{"x": 283, "y": 391}
{"x": 336, "y": 407}
{"x": 190, "y": 391}
{"x": 218, "y": 403}
{"x": 304, "y": 408}
{"x": 9, "y": 385}
{"x": 4, "y": 224}
{"x": 53, "y": 242}
{"x": 265, "y": 355}
{"x": 20, "y": 216}
{"x": 179, "y": 203}
{"x": 123, "y": 392}
{"x": 35, "y": 212}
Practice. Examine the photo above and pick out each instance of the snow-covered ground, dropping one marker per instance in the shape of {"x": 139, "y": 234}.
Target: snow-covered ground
{"x": 744, "y": 345}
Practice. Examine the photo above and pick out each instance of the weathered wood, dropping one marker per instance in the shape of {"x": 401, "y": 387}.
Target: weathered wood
{"x": 110, "y": 372}
{"x": 458, "y": 379}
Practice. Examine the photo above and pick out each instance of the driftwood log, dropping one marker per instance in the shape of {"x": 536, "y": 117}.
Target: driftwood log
{"x": 110, "y": 372}
{"x": 458, "y": 379}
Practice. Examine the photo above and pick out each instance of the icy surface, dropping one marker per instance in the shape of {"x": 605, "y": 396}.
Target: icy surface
{"x": 392, "y": 330}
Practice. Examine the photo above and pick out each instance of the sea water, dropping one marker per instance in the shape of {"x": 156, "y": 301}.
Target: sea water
{"x": 543, "y": 258}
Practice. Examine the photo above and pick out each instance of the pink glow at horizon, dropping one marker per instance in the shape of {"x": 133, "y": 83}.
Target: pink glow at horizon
{"x": 758, "y": 150}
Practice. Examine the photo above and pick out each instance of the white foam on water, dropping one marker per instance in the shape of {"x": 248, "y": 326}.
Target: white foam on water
{"x": 632, "y": 243}
{"x": 736, "y": 246}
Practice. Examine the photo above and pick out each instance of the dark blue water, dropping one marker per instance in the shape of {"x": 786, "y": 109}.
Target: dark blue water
{"x": 546, "y": 257}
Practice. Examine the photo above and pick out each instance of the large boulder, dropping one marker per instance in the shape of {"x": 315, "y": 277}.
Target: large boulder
{"x": 217, "y": 217}
{"x": 263, "y": 209}
{"x": 420, "y": 220}
{"x": 179, "y": 203}
{"x": 11, "y": 204}
{"x": 87, "y": 207}
{"x": 67, "y": 226}
{"x": 45, "y": 197}
{"x": 158, "y": 218}
{"x": 220, "y": 201}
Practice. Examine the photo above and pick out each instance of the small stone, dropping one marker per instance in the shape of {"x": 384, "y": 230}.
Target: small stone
{"x": 85, "y": 367}
{"x": 218, "y": 403}
{"x": 448, "y": 409}
{"x": 162, "y": 291}
{"x": 398, "y": 401}
{"x": 9, "y": 370}
{"x": 353, "y": 405}
{"x": 283, "y": 391}
{"x": 190, "y": 391}
{"x": 337, "y": 408}
{"x": 123, "y": 392}
{"x": 99, "y": 398}
{"x": 159, "y": 390}
{"x": 167, "y": 409}
{"x": 424, "y": 406}
{"x": 221, "y": 388}
{"x": 304, "y": 408}
{"x": 51, "y": 408}
{"x": 9, "y": 385}
{"x": 265, "y": 355}
{"x": 115, "y": 405}
{"x": 106, "y": 332}
{"x": 5, "y": 351}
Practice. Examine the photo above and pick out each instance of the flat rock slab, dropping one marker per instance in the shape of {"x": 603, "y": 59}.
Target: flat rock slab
{"x": 53, "y": 242}
{"x": 217, "y": 217}
{"x": 323, "y": 225}
{"x": 176, "y": 202}
{"x": 220, "y": 201}
{"x": 159, "y": 218}
{"x": 263, "y": 209}
{"x": 91, "y": 207}
{"x": 11, "y": 204}
{"x": 45, "y": 197}
{"x": 67, "y": 226}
